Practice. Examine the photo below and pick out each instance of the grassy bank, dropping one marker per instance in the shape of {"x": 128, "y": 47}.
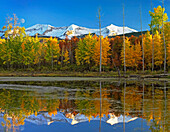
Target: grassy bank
{"x": 129, "y": 74}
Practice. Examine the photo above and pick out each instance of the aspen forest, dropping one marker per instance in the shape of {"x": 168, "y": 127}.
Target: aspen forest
{"x": 19, "y": 51}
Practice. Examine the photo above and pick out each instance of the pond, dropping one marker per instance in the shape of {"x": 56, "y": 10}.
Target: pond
{"x": 85, "y": 105}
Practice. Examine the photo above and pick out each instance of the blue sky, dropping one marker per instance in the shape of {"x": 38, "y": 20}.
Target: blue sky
{"x": 83, "y": 13}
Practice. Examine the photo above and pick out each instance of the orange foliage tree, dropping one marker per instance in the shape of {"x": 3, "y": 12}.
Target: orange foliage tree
{"x": 105, "y": 52}
{"x": 167, "y": 38}
{"x": 158, "y": 52}
{"x": 116, "y": 45}
{"x": 147, "y": 44}
{"x": 132, "y": 54}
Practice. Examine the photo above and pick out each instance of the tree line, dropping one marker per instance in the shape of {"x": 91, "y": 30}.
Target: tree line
{"x": 20, "y": 51}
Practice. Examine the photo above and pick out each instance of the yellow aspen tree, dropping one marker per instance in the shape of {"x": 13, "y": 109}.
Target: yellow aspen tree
{"x": 62, "y": 49}
{"x": 52, "y": 51}
{"x": 37, "y": 53}
{"x": 23, "y": 53}
{"x": 137, "y": 54}
{"x": 105, "y": 52}
{"x": 158, "y": 50}
{"x": 128, "y": 54}
{"x": 85, "y": 50}
{"x": 66, "y": 57}
{"x": 4, "y": 53}
{"x": 133, "y": 54}
{"x": 147, "y": 44}
{"x": 56, "y": 49}
{"x": 27, "y": 53}
{"x": 2, "y": 41}
{"x": 157, "y": 16}
{"x": 79, "y": 53}
{"x": 168, "y": 54}
{"x": 33, "y": 51}
{"x": 89, "y": 49}
{"x": 167, "y": 39}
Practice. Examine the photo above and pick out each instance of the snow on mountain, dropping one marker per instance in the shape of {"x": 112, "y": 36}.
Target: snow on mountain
{"x": 79, "y": 118}
{"x": 74, "y": 30}
{"x": 38, "y": 29}
{"x": 115, "y": 30}
{"x": 46, "y": 119}
{"x": 114, "y": 120}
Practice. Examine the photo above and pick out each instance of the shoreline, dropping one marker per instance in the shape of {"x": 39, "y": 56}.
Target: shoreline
{"x": 129, "y": 74}
{"x": 76, "y": 76}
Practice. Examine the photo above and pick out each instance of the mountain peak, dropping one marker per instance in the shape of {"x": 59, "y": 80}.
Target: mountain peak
{"x": 72, "y": 27}
{"x": 74, "y": 30}
{"x": 112, "y": 25}
{"x": 37, "y": 26}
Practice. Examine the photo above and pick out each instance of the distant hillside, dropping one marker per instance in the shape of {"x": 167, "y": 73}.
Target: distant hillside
{"x": 136, "y": 34}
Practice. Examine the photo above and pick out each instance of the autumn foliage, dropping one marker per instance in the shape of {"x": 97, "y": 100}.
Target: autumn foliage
{"x": 23, "y": 52}
{"x": 20, "y": 51}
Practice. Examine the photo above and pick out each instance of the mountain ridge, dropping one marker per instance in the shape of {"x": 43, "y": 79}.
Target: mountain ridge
{"x": 74, "y": 30}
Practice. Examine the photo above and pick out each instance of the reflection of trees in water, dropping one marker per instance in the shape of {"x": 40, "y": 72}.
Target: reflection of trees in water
{"x": 86, "y": 100}
{"x": 17, "y": 105}
{"x": 90, "y": 106}
{"x": 159, "y": 116}
{"x": 133, "y": 100}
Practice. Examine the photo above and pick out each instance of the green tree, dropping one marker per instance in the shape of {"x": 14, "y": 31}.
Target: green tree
{"x": 85, "y": 50}
{"x": 52, "y": 51}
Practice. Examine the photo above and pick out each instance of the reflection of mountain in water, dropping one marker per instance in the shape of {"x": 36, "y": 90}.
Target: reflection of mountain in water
{"x": 45, "y": 119}
{"x": 75, "y": 102}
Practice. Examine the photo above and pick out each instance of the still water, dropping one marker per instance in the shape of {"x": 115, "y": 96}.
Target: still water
{"x": 84, "y": 106}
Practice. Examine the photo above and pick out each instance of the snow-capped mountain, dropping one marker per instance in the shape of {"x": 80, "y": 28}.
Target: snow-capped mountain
{"x": 74, "y": 30}
{"x": 45, "y": 118}
{"x": 38, "y": 29}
